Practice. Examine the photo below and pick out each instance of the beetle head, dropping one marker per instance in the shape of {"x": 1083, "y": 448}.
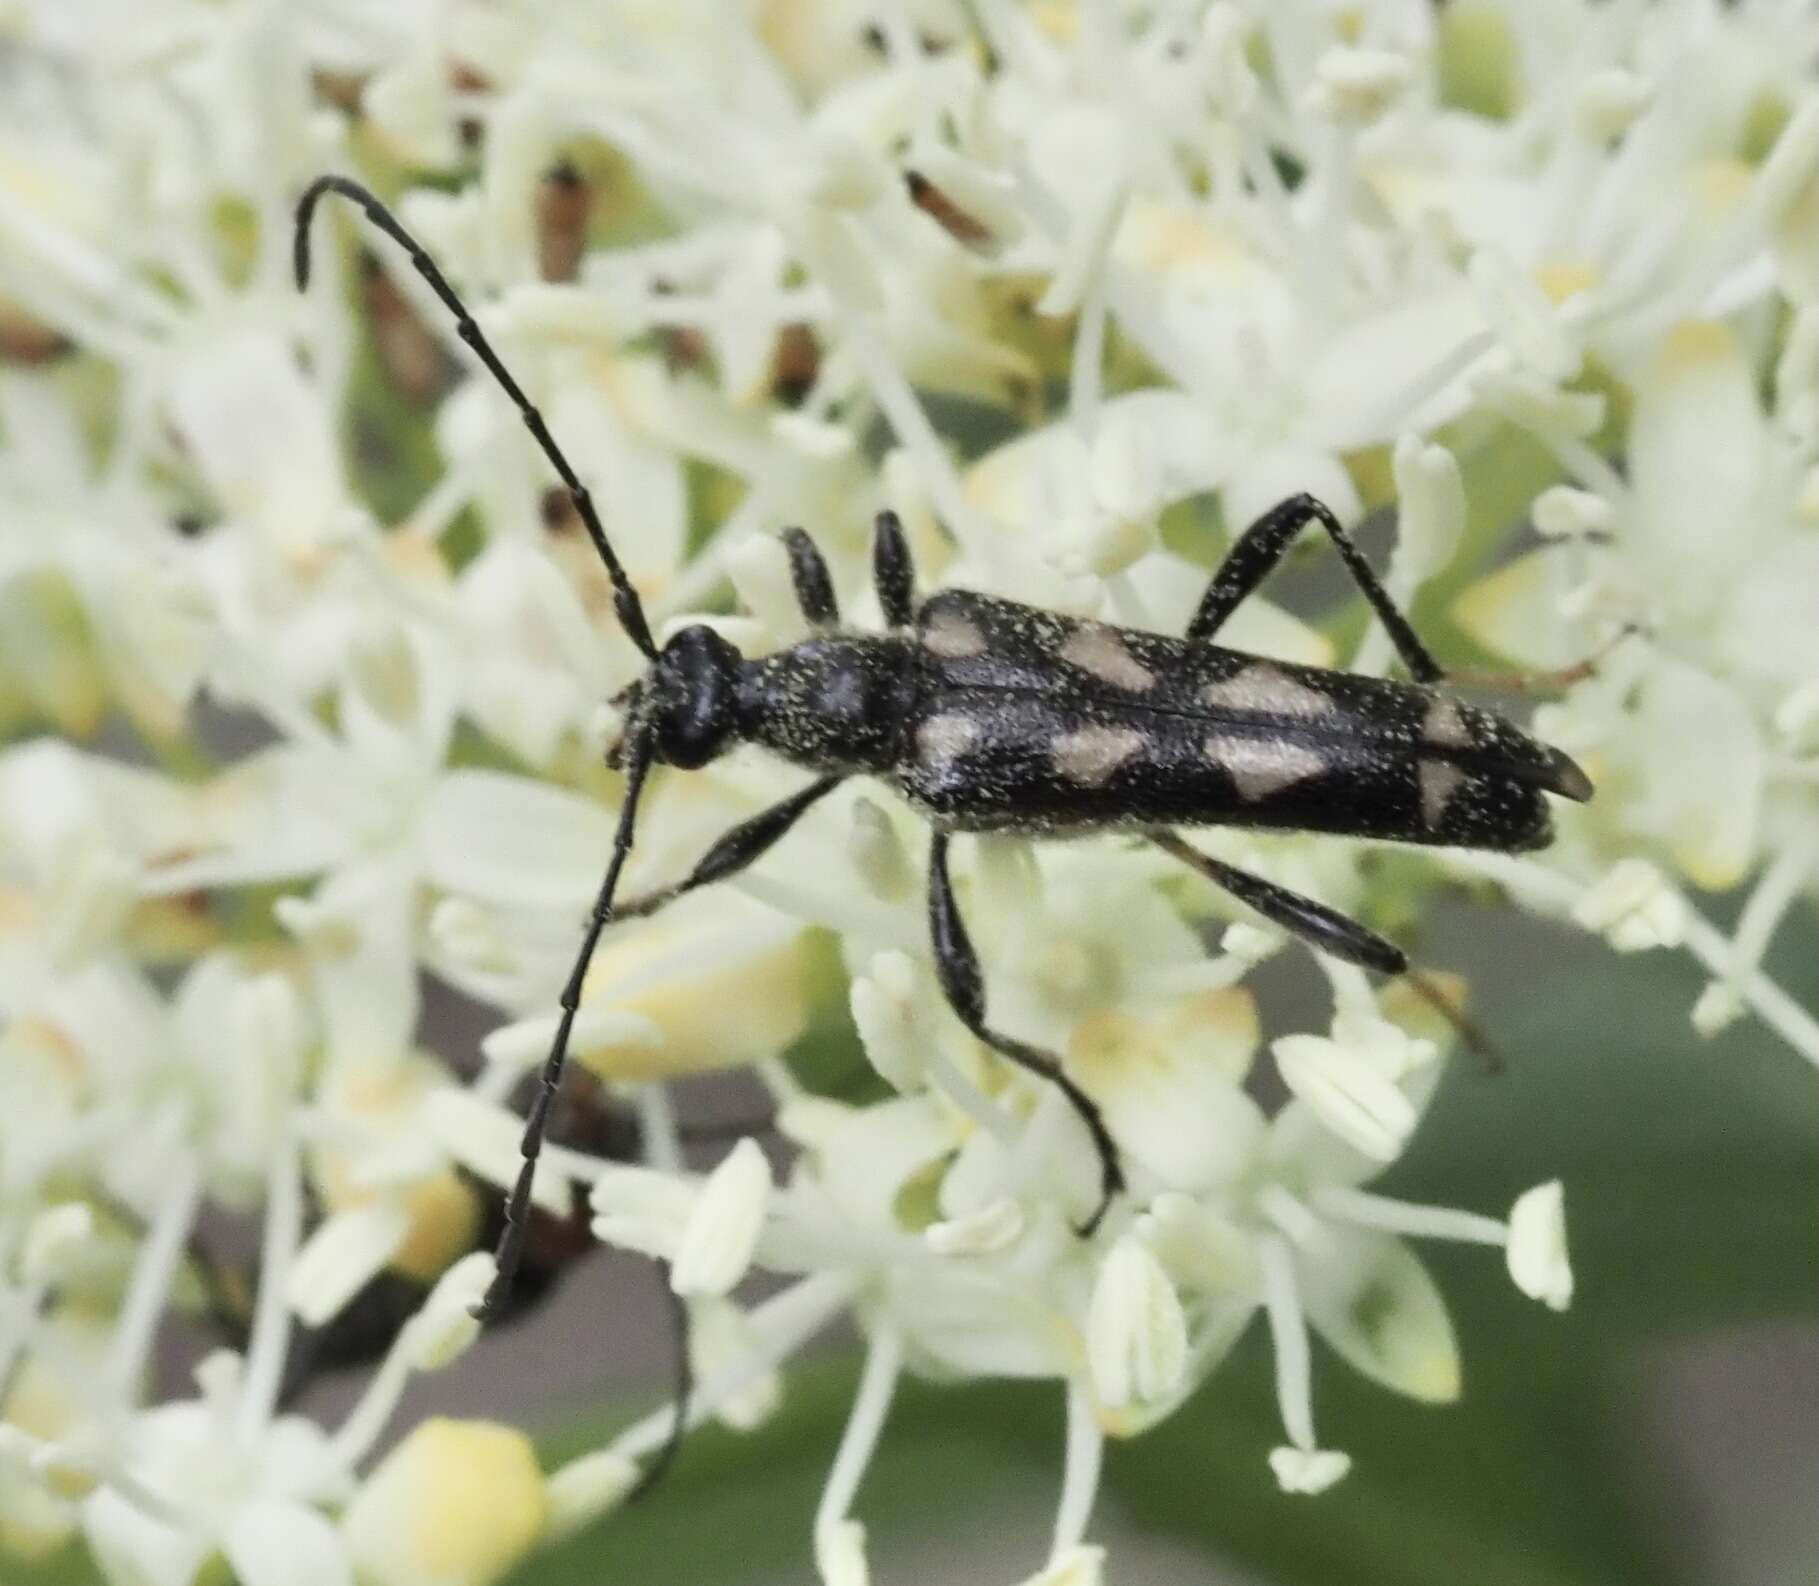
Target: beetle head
{"x": 686, "y": 701}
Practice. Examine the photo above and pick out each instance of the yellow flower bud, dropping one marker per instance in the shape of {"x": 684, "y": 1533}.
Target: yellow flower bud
{"x": 457, "y": 1503}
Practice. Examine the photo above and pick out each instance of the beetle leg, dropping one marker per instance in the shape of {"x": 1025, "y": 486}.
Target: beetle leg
{"x": 808, "y": 572}
{"x": 680, "y": 1331}
{"x": 893, "y": 571}
{"x": 1326, "y": 929}
{"x": 735, "y": 849}
{"x": 1260, "y": 548}
{"x": 1331, "y": 932}
{"x": 957, "y": 965}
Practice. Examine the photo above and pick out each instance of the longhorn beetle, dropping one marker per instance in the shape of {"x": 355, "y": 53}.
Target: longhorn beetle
{"x": 992, "y": 716}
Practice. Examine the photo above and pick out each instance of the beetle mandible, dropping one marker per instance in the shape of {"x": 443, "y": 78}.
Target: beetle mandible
{"x": 990, "y": 716}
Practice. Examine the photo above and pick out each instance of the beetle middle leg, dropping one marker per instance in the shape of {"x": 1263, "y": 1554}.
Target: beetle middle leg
{"x": 957, "y": 966}
{"x": 1261, "y": 547}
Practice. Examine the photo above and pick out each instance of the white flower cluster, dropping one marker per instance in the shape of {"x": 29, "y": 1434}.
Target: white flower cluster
{"x": 1077, "y": 287}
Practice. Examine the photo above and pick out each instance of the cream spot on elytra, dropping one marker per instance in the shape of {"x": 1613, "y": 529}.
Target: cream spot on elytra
{"x": 1267, "y": 691}
{"x": 1097, "y": 649}
{"x": 1445, "y": 724}
{"x": 1439, "y": 782}
{"x": 941, "y": 740}
{"x": 1259, "y": 766}
{"x": 1090, "y": 755}
{"x": 949, "y": 634}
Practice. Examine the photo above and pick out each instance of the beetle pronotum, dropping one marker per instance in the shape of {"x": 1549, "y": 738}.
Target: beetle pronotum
{"x": 988, "y": 715}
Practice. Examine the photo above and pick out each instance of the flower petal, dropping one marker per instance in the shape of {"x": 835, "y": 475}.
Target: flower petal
{"x": 284, "y": 1544}
{"x": 1373, "y": 1301}
{"x": 510, "y": 840}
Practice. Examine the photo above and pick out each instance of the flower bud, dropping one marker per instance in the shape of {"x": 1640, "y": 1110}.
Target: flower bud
{"x": 457, "y": 1503}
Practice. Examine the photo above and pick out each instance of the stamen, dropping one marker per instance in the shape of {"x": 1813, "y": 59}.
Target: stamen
{"x": 1365, "y": 1210}
{"x": 149, "y": 1288}
{"x": 1080, "y": 1473}
{"x": 871, "y": 1404}
{"x": 1288, "y": 1335}
{"x": 267, "y": 1349}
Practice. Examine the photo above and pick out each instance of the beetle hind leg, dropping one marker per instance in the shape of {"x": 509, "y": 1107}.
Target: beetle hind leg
{"x": 957, "y": 966}
{"x": 1316, "y": 924}
{"x": 1256, "y": 552}
{"x": 1330, "y": 932}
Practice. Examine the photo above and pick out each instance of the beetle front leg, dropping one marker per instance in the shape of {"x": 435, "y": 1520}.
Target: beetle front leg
{"x": 735, "y": 849}
{"x": 957, "y": 966}
{"x": 1261, "y": 547}
{"x": 893, "y": 571}
{"x": 1316, "y": 924}
{"x": 808, "y": 574}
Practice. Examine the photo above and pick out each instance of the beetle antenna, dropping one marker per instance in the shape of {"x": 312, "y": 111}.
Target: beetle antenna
{"x": 518, "y": 1203}
{"x": 625, "y": 598}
